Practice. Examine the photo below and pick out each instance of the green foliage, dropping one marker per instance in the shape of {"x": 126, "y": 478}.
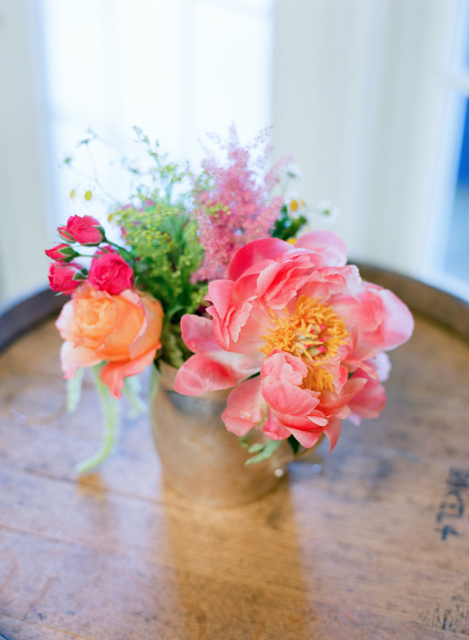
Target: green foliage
{"x": 285, "y": 226}
{"x": 244, "y": 440}
{"x": 164, "y": 252}
{"x": 162, "y": 243}
{"x": 174, "y": 350}
{"x": 111, "y": 412}
{"x": 165, "y": 176}
{"x": 294, "y": 444}
{"x": 164, "y": 249}
{"x": 263, "y": 450}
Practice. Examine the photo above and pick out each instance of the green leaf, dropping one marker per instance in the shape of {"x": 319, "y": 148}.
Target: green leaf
{"x": 256, "y": 447}
{"x": 286, "y": 227}
{"x": 267, "y": 450}
{"x": 294, "y": 444}
{"x": 244, "y": 440}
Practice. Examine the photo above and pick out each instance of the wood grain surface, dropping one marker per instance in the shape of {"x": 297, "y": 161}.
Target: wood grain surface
{"x": 369, "y": 542}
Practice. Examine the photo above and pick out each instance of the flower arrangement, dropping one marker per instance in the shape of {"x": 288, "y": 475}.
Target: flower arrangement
{"x": 211, "y": 277}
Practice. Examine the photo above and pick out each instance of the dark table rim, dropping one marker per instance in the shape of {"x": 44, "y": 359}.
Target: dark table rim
{"x": 26, "y": 313}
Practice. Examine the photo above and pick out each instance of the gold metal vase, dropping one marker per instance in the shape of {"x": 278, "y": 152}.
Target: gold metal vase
{"x": 200, "y": 458}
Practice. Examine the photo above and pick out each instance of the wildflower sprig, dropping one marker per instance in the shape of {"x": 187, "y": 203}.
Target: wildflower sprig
{"x": 161, "y": 237}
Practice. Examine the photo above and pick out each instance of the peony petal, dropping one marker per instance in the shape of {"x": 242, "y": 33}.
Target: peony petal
{"x": 307, "y": 439}
{"x": 256, "y": 251}
{"x": 399, "y": 323}
{"x": 370, "y": 400}
{"x": 274, "y": 429}
{"x": 383, "y": 366}
{"x": 197, "y": 333}
{"x": 285, "y": 398}
{"x": 275, "y": 365}
{"x": 332, "y": 403}
{"x": 246, "y": 407}
{"x": 332, "y": 431}
{"x": 219, "y": 294}
{"x": 331, "y": 248}
{"x": 315, "y": 420}
{"x": 201, "y": 373}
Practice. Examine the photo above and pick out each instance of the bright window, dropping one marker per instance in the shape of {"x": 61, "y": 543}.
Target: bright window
{"x": 175, "y": 69}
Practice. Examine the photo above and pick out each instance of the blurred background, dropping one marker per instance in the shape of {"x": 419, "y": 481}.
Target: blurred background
{"x": 368, "y": 96}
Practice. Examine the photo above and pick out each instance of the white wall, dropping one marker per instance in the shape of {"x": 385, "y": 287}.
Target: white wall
{"x": 363, "y": 100}
{"x": 177, "y": 69}
{"x": 25, "y": 213}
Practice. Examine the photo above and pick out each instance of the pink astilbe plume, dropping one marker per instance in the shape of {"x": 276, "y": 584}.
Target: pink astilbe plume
{"x": 236, "y": 208}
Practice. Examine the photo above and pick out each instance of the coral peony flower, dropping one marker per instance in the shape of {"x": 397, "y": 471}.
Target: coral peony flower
{"x": 85, "y": 230}
{"x": 61, "y": 278}
{"x": 110, "y": 272}
{"x": 305, "y": 320}
{"x": 123, "y": 330}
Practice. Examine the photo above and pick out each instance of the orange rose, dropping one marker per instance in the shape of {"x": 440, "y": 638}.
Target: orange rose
{"x": 124, "y": 330}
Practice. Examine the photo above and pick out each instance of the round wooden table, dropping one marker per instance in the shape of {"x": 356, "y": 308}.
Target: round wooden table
{"x": 369, "y": 542}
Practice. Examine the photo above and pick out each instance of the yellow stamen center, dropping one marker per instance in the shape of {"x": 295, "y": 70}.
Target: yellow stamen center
{"x": 314, "y": 333}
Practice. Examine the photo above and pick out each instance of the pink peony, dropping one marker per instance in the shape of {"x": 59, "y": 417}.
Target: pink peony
{"x": 61, "y": 278}
{"x": 313, "y": 329}
{"x": 110, "y": 272}
{"x": 85, "y": 230}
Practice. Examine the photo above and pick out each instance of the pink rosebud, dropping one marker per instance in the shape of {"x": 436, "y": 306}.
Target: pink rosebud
{"x": 61, "y": 278}
{"x": 84, "y": 230}
{"x": 62, "y": 252}
{"x": 63, "y": 233}
{"x": 110, "y": 272}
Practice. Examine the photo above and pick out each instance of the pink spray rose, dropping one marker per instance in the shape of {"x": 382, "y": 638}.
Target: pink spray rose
{"x": 62, "y": 252}
{"x": 61, "y": 278}
{"x": 314, "y": 330}
{"x": 85, "y": 230}
{"x": 110, "y": 272}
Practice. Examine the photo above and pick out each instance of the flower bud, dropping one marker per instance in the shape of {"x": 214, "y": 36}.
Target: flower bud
{"x": 85, "y": 230}
{"x": 61, "y": 278}
{"x": 62, "y": 252}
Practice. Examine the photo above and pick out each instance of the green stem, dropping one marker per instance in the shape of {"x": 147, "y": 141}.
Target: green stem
{"x": 110, "y": 407}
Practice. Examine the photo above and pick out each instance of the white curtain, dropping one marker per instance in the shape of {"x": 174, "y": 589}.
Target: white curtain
{"x": 364, "y": 97}
{"x": 360, "y": 92}
{"x": 175, "y": 69}
{"x": 25, "y": 196}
